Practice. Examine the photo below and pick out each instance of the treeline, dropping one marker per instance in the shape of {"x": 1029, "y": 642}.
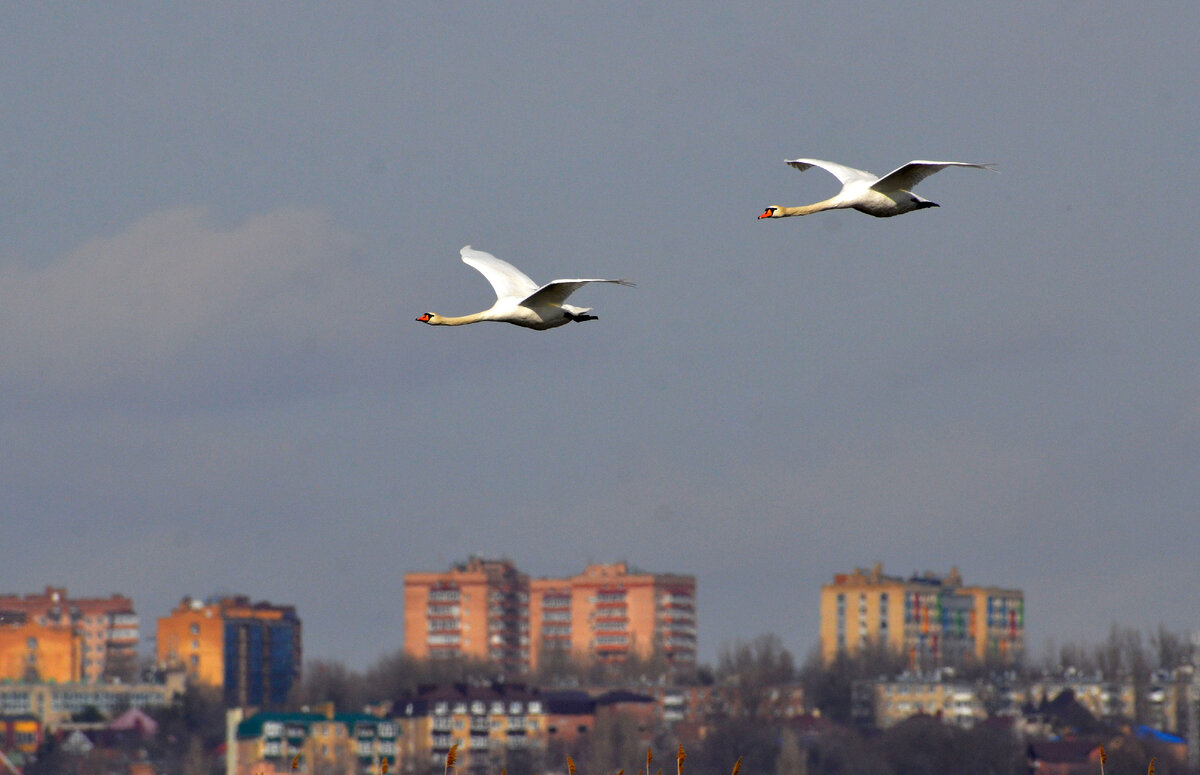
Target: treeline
{"x": 753, "y": 666}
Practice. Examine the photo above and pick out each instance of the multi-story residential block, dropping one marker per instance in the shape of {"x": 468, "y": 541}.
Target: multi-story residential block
{"x": 108, "y": 628}
{"x": 54, "y": 703}
{"x": 883, "y": 703}
{"x": 487, "y": 609}
{"x": 1103, "y": 699}
{"x": 342, "y": 743}
{"x": 477, "y": 609}
{"x": 933, "y": 620}
{"x": 495, "y": 726}
{"x": 609, "y": 613}
{"x": 252, "y": 650}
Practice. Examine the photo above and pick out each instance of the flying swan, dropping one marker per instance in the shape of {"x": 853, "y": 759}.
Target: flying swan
{"x": 862, "y": 191}
{"x": 519, "y": 300}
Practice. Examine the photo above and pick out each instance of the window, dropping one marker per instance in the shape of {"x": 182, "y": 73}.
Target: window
{"x": 195, "y": 628}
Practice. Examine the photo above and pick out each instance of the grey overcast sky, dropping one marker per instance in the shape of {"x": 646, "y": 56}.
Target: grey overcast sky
{"x": 219, "y": 220}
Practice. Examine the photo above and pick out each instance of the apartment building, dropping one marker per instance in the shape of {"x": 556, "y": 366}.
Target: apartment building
{"x": 107, "y": 629}
{"x": 487, "y": 609}
{"x": 884, "y": 703}
{"x": 495, "y": 726}
{"x": 609, "y": 613}
{"x": 477, "y": 609}
{"x": 54, "y": 703}
{"x": 357, "y": 743}
{"x": 933, "y": 620}
{"x": 252, "y": 650}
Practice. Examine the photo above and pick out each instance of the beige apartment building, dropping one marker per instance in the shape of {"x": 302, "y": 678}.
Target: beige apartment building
{"x": 933, "y": 620}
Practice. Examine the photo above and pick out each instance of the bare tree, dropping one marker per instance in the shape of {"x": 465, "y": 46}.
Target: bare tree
{"x": 616, "y": 743}
{"x": 1172, "y": 649}
{"x": 752, "y": 669}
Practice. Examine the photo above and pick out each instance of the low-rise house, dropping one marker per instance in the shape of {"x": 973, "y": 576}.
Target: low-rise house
{"x": 570, "y": 716}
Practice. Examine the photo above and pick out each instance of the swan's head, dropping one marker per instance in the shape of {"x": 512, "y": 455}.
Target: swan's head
{"x": 770, "y": 212}
{"x": 430, "y": 318}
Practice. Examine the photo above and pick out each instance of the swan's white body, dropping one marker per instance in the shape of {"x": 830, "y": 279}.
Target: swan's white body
{"x": 862, "y": 191}
{"x": 519, "y": 300}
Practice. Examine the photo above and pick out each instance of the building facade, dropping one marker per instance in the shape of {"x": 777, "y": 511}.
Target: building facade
{"x": 54, "y": 703}
{"x": 108, "y": 629}
{"x": 341, "y": 743}
{"x": 495, "y": 726}
{"x": 884, "y": 703}
{"x": 32, "y": 652}
{"x": 251, "y": 650}
{"x": 609, "y": 613}
{"x": 20, "y": 734}
{"x": 487, "y": 609}
{"x": 477, "y": 609}
{"x": 934, "y": 621}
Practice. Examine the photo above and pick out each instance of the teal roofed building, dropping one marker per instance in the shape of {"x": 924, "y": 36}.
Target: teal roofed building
{"x": 342, "y": 743}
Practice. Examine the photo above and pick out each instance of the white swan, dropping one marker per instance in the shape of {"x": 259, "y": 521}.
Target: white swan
{"x": 519, "y": 300}
{"x": 862, "y": 191}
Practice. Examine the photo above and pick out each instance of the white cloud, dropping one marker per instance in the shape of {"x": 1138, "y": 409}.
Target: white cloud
{"x": 176, "y": 302}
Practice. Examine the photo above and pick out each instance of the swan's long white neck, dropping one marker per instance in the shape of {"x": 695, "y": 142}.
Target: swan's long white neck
{"x": 816, "y": 207}
{"x": 442, "y": 320}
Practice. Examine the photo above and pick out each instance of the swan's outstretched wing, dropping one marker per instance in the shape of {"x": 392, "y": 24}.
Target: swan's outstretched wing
{"x": 555, "y": 292}
{"x": 839, "y": 171}
{"x": 505, "y": 278}
{"x": 909, "y": 175}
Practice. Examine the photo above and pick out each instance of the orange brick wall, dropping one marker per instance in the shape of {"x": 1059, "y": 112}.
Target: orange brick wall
{"x": 194, "y": 638}
{"x": 52, "y": 652}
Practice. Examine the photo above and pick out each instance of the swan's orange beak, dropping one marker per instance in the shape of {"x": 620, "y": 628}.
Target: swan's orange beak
{"x": 424, "y": 318}
{"x": 766, "y": 213}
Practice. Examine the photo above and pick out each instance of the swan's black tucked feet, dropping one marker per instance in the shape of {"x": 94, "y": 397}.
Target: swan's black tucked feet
{"x": 581, "y": 318}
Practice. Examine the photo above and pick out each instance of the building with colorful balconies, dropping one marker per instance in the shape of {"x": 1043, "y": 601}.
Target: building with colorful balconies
{"x": 934, "y": 621}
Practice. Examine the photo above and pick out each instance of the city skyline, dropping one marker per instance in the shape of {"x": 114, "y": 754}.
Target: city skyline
{"x": 221, "y": 221}
{"x": 935, "y": 588}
